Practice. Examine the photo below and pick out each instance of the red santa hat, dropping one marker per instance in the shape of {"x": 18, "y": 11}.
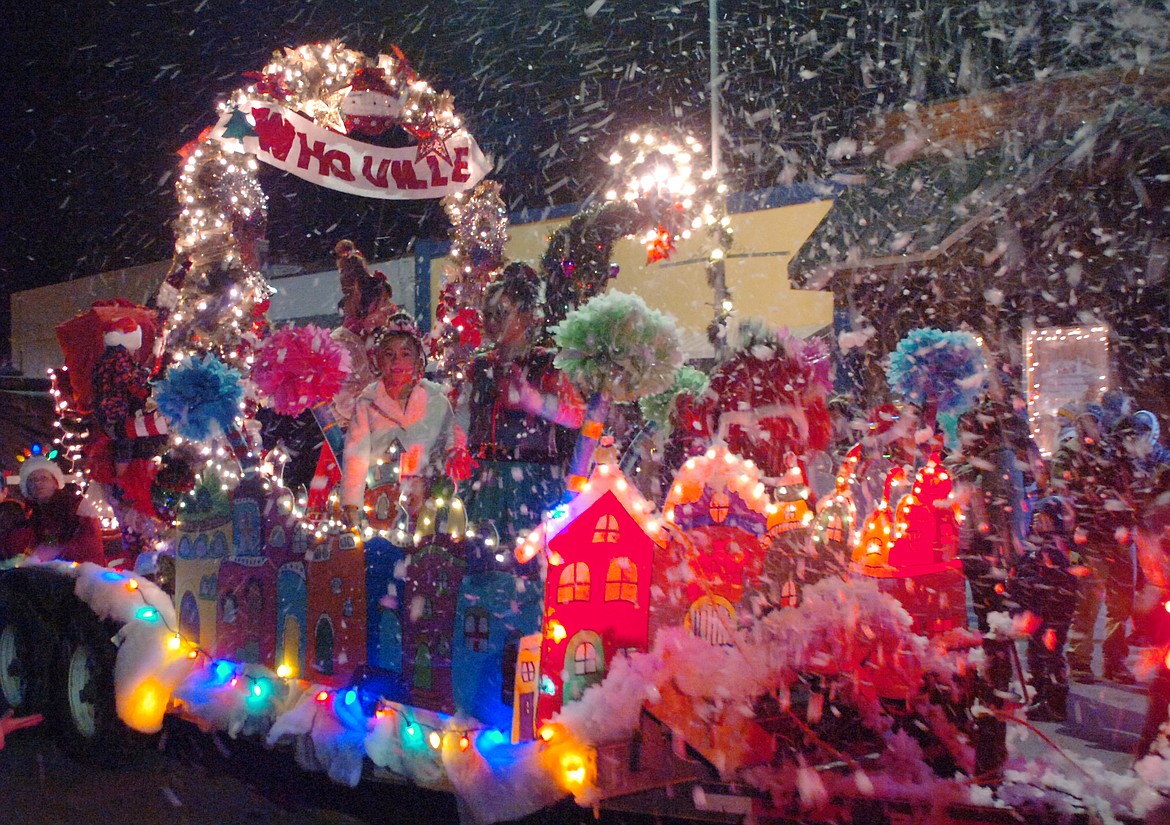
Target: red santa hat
{"x": 124, "y": 332}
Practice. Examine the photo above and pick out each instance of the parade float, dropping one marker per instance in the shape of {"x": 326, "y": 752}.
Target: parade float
{"x": 736, "y": 647}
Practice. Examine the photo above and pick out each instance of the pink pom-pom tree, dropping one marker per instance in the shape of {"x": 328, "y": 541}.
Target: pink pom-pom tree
{"x": 299, "y": 368}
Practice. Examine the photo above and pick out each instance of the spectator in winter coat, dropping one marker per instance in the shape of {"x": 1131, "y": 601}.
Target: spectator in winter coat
{"x": 1093, "y": 473}
{"x": 1151, "y": 454}
{"x": 1045, "y": 586}
{"x": 60, "y": 524}
{"x": 992, "y": 471}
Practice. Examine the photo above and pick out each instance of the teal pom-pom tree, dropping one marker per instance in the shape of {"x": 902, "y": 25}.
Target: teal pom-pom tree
{"x": 200, "y": 397}
{"x": 941, "y": 372}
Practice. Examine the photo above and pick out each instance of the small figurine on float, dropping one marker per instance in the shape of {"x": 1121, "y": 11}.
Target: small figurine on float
{"x": 365, "y": 306}
{"x": 120, "y": 386}
{"x": 110, "y": 381}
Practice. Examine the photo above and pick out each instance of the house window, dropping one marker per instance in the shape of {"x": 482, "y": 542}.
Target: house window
{"x": 255, "y": 602}
{"x": 789, "y": 594}
{"x": 442, "y": 583}
{"x": 835, "y": 531}
{"x": 475, "y": 630}
{"x": 427, "y": 610}
{"x": 621, "y": 582}
{"x": 712, "y": 618}
{"x": 323, "y": 644}
{"x": 423, "y": 674}
{"x": 584, "y": 664}
{"x": 230, "y": 609}
{"x": 606, "y": 530}
{"x": 585, "y": 659}
{"x": 574, "y": 583}
{"x": 720, "y": 507}
{"x": 527, "y": 672}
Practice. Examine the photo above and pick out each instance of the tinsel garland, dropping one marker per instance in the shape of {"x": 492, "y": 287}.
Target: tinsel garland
{"x": 479, "y": 229}
{"x": 782, "y": 381}
{"x": 200, "y": 397}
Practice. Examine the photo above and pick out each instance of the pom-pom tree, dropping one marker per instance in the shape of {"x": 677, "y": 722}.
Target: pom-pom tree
{"x": 200, "y": 397}
{"x": 614, "y": 348}
{"x": 299, "y": 368}
{"x": 941, "y": 372}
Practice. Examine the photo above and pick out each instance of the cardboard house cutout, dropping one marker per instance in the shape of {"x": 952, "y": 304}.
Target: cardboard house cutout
{"x": 599, "y": 550}
{"x": 717, "y": 514}
{"x": 911, "y": 547}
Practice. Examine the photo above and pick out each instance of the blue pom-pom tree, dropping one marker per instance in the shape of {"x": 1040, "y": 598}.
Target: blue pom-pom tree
{"x": 941, "y": 372}
{"x": 200, "y": 397}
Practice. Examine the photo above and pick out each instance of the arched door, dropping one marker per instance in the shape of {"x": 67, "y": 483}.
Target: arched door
{"x": 323, "y": 646}
{"x": 584, "y": 664}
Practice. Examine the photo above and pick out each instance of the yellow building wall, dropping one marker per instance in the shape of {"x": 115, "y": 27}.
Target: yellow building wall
{"x": 764, "y": 243}
{"x": 189, "y": 573}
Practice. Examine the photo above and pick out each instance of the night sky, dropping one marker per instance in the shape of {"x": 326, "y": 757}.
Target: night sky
{"x": 100, "y": 95}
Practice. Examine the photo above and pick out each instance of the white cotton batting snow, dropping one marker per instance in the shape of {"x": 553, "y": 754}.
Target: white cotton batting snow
{"x": 322, "y": 742}
{"x": 145, "y": 663}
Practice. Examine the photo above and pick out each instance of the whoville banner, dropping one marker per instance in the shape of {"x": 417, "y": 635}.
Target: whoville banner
{"x": 289, "y": 141}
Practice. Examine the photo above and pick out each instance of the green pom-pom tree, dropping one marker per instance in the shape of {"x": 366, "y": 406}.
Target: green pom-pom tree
{"x": 614, "y": 348}
{"x": 618, "y": 346}
{"x": 656, "y": 408}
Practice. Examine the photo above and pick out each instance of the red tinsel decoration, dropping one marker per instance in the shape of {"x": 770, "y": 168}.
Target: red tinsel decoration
{"x": 768, "y": 399}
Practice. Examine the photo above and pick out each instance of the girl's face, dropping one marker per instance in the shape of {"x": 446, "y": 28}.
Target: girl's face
{"x": 398, "y": 361}
{"x": 41, "y": 485}
{"x": 503, "y": 321}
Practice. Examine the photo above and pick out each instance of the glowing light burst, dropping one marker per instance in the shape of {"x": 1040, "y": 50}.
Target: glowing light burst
{"x": 659, "y": 174}
{"x": 663, "y": 175}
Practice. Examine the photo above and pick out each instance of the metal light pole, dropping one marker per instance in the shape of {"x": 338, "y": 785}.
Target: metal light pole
{"x": 713, "y": 37}
{"x": 716, "y": 269}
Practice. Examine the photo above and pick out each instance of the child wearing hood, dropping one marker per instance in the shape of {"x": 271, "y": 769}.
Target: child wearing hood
{"x": 1045, "y": 586}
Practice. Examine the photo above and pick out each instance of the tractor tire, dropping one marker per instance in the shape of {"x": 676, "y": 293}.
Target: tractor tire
{"x": 26, "y": 655}
{"x": 85, "y": 709}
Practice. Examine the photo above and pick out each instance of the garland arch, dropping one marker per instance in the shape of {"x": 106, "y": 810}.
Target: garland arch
{"x": 304, "y": 113}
